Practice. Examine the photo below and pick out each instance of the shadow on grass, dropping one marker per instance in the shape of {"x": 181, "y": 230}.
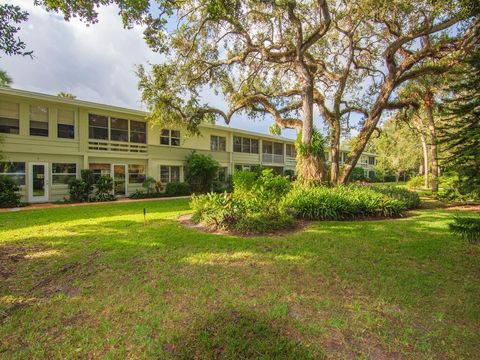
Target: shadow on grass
{"x": 237, "y": 334}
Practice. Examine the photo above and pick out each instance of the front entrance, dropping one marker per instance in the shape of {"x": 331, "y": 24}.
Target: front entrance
{"x": 119, "y": 179}
{"x": 38, "y": 182}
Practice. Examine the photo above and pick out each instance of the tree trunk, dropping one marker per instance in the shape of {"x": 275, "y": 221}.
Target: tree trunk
{"x": 425, "y": 159}
{"x": 335, "y": 152}
{"x": 428, "y": 101}
{"x": 310, "y": 167}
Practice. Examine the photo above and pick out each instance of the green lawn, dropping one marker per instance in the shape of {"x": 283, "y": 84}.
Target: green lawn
{"x": 96, "y": 282}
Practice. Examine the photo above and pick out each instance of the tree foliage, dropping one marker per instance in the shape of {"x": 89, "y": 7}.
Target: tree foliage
{"x": 10, "y": 18}
{"x": 200, "y": 171}
{"x": 398, "y": 149}
{"x": 5, "y": 79}
{"x": 460, "y": 130}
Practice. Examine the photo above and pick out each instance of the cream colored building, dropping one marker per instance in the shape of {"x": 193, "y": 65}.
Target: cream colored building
{"x": 47, "y": 140}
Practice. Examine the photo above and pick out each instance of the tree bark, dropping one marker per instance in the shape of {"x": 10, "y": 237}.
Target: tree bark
{"x": 335, "y": 152}
{"x": 310, "y": 167}
{"x": 425, "y": 159}
{"x": 428, "y": 102}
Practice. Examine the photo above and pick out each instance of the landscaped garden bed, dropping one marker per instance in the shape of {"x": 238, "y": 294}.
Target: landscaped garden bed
{"x": 262, "y": 202}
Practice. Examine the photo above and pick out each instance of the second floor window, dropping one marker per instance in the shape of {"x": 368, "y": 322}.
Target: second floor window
{"x": 97, "y": 127}
{"x": 138, "y": 132}
{"x": 118, "y": 130}
{"x": 66, "y": 124}
{"x": 245, "y": 145}
{"x": 9, "y": 117}
{"x": 38, "y": 120}
{"x": 218, "y": 143}
{"x": 290, "y": 150}
{"x": 371, "y": 160}
{"x": 170, "y": 137}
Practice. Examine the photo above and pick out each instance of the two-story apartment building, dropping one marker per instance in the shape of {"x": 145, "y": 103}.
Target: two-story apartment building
{"x": 47, "y": 140}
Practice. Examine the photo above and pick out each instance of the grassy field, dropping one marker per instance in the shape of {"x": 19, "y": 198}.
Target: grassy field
{"x": 96, "y": 282}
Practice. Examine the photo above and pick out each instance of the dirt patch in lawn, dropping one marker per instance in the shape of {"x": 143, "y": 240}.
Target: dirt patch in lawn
{"x": 186, "y": 220}
{"x": 469, "y": 207}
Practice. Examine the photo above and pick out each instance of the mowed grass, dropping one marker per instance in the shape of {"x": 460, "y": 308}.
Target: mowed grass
{"x": 96, "y": 282}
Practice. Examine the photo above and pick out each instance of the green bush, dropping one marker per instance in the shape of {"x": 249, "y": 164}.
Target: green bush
{"x": 410, "y": 198}
{"x": 260, "y": 223}
{"x": 341, "y": 202}
{"x": 416, "y": 182}
{"x": 200, "y": 172}
{"x": 149, "y": 184}
{"x": 450, "y": 188}
{"x": 81, "y": 189}
{"x": 104, "y": 187}
{"x": 177, "y": 189}
{"x": 9, "y": 196}
{"x": 467, "y": 227}
{"x": 255, "y": 206}
{"x": 358, "y": 174}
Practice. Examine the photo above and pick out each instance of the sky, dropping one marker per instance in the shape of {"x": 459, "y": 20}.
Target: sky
{"x": 95, "y": 63}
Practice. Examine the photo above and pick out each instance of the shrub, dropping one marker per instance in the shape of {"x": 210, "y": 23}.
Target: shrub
{"x": 410, "y": 198}
{"x": 260, "y": 223}
{"x": 104, "y": 186}
{"x": 416, "y": 182}
{"x": 81, "y": 189}
{"x": 255, "y": 206}
{"x": 200, "y": 172}
{"x": 341, "y": 202}
{"x": 149, "y": 184}
{"x": 467, "y": 227}
{"x": 244, "y": 180}
{"x": 358, "y": 174}
{"x": 450, "y": 188}
{"x": 9, "y": 196}
{"x": 177, "y": 189}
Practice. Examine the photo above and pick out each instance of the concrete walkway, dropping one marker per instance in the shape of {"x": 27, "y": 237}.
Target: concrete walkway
{"x": 120, "y": 200}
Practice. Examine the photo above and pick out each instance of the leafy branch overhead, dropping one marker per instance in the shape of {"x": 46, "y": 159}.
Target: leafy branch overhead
{"x": 10, "y": 18}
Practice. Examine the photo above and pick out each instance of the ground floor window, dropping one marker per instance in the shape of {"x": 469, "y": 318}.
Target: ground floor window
{"x": 222, "y": 174}
{"x": 136, "y": 174}
{"x": 239, "y": 167}
{"x": 100, "y": 169}
{"x": 169, "y": 174}
{"x": 14, "y": 170}
{"x": 62, "y": 173}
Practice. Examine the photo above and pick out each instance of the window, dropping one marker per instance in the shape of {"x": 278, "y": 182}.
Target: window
{"x": 14, "y": 170}
{"x": 218, "y": 143}
{"x": 9, "y": 117}
{"x": 118, "y": 129}
{"x": 97, "y": 127}
{"x": 290, "y": 150}
{"x": 371, "y": 160}
{"x": 245, "y": 145}
{"x": 65, "y": 124}
{"x": 136, "y": 174}
{"x": 170, "y": 137}
{"x": 38, "y": 120}
{"x": 169, "y": 174}
{"x": 221, "y": 174}
{"x": 246, "y": 167}
{"x": 363, "y": 160}
{"x": 278, "y": 148}
{"x": 100, "y": 169}
{"x": 138, "y": 132}
{"x": 63, "y": 173}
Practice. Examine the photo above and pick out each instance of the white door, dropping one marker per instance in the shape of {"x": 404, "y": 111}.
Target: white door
{"x": 38, "y": 182}
{"x": 119, "y": 179}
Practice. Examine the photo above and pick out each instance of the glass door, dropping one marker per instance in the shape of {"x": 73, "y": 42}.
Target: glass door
{"x": 120, "y": 180}
{"x": 38, "y": 184}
